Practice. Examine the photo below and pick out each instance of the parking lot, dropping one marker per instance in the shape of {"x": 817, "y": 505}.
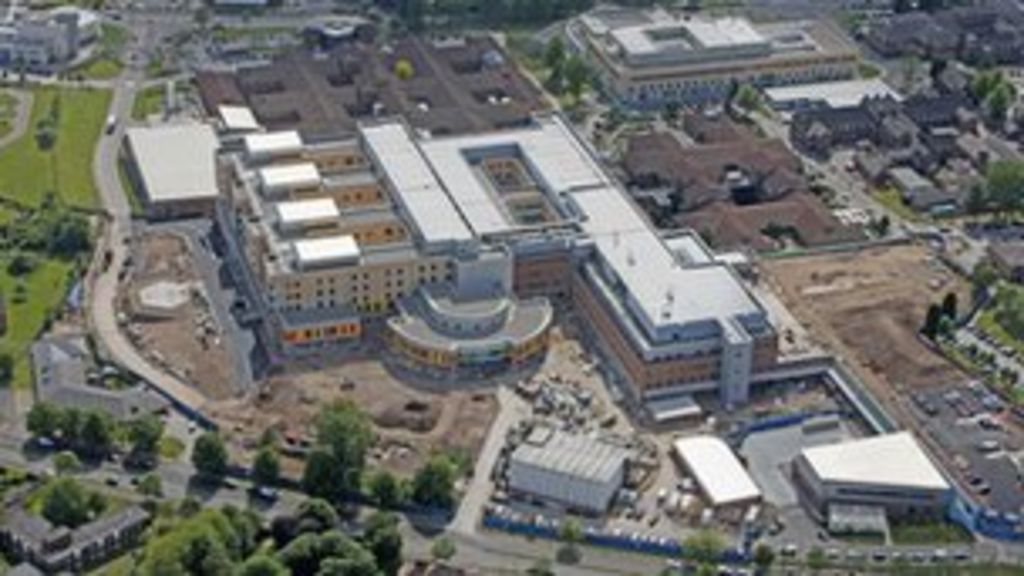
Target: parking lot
{"x": 973, "y": 427}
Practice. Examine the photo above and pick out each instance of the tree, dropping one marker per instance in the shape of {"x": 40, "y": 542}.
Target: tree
{"x": 999, "y": 101}
{"x": 384, "y": 489}
{"x": 209, "y": 456}
{"x": 97, "y": 434}
{"x": 412, "y": 13}
{"x": 6, "y": 367}
{"x": 266, "y": 468}
{"x": 748, "y": 98}
{"x": 43, "y": 420}
{"x": 66, "y": 503}
{"x": 262, "y": 565}
{"x": 382, "y": 539}
{"x": 815, "y": 559}
{"x": 577, "y": 75}
{"x": 554, "y": 54}
{"x": 328, "y": 553}
{"x": 764, "y": 557}
{"x": 66, "y": 462}
{"x": 316, "y": 515}
{"x": 932, "y": 319}
{"x": 434, "y": 483}
{"x": 150, "y": 485}
{"x": 404, "y": 69}
{"x": 443, "y": 549}
{"x": 949, "y": 306}
{"x": 346, "y": 434}
{"x": 571, "y": 534}
{"x": 144, "y": 435}
{"x": 703, "y": 546}
{"x": 319, "y": 478}
{"x": 1004, "y": 183}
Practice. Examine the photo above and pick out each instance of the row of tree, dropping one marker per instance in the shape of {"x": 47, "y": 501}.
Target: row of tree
{"x": 311, "y": 542}
{"x": 336, "y": 467}
{"x": 940, "y": 318}
{"x": 93, "y": 433}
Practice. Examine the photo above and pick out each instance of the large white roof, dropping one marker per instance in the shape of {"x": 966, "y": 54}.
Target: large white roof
{"x": 835, "y": 94}
{"x": 238, "y": 118}
{"x": 312, "y": 211}
{"x": 417, "y": 188}
{"x": 888, "y": 460}
{"x": 719, "y": 473}
{"x": 325, "y": 251}
{"x": 176, "y": 162}
{"x": 658, "y": 285}
{"x": 289, "y": 177}
{"x": 273, "y": 144}
{"x": 555, "y": 156}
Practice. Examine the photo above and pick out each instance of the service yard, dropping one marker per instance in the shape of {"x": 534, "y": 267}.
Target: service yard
{"x": 867, "y": 307}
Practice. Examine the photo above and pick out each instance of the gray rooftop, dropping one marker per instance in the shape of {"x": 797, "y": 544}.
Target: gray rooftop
{"x": 574, "y": 455}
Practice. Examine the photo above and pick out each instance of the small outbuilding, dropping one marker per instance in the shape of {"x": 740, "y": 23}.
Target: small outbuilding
{"x": 722, "y": 479}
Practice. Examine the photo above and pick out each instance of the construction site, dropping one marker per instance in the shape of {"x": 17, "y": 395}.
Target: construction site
{"x": 868, "y": 307}
{"x": 165, "y": 310}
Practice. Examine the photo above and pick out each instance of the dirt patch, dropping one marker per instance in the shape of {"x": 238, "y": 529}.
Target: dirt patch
{"x": 411, "y": 423}
{"x": 869, "y": 305}
{"x": 169, "y": 316}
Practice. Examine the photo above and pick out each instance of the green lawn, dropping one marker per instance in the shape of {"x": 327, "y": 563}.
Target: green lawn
{"x": 106, "y": 62}
{"x": 7, "y": 110}
{"x": 171, "y": 448}
{"x": 929, "y": 533}
{"x": 43, "y": 290}
{"x": 891, "y": 199}
{"x": 148, "y": 101}
{"x": 27, "y": 172}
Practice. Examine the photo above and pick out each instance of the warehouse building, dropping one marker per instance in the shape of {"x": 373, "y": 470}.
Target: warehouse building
{"x": 889, "y": 472}
{"x": 723, "y": 481}
{"x": 578, "y": 472}
{"x": 648, "y": 58}
{"x": 173, "y": 169}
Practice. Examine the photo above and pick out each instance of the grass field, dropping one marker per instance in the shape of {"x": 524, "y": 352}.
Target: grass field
{"x": 891, "y": 199}
{"x": 27, "y": 172}
{"x": 148, "y": 101}
{"x": 930, "y": 533}
{"x": 43, "y": 290}
{"x": 7, "y": 110}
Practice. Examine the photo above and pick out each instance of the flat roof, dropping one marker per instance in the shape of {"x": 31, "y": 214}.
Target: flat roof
{"x": 307, "y": 211}
{"x": 573, "y": 455}
{"x": 659, "y": 285}
{"x": 840, "y": 94}
{"x": 717, "y": 470}
{"x": 176, "y": 162}
{"x": 273, "y": 143}
{"x": 416, "y": 187}
{"x": 888, "y": 460}
{"x": 554, "y": 156}
{"x": 238, "y": 118}
{"x": 324, "y": 251}
{"x": 289, "y": 177}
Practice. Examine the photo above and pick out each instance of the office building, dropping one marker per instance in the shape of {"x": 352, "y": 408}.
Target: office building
{"x": 647, "y": 58}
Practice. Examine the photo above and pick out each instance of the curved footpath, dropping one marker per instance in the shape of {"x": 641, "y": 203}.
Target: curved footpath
{"x": 22, "y": 113}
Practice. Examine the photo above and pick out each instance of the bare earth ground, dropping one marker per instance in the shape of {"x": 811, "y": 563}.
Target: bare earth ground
{"x": 203, "y": 361}
{"x": 411, "y": 423}
{"x": 869, "y": 305}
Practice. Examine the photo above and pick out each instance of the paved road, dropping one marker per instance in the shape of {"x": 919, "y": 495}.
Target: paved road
{"x": 103, "y": 284}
